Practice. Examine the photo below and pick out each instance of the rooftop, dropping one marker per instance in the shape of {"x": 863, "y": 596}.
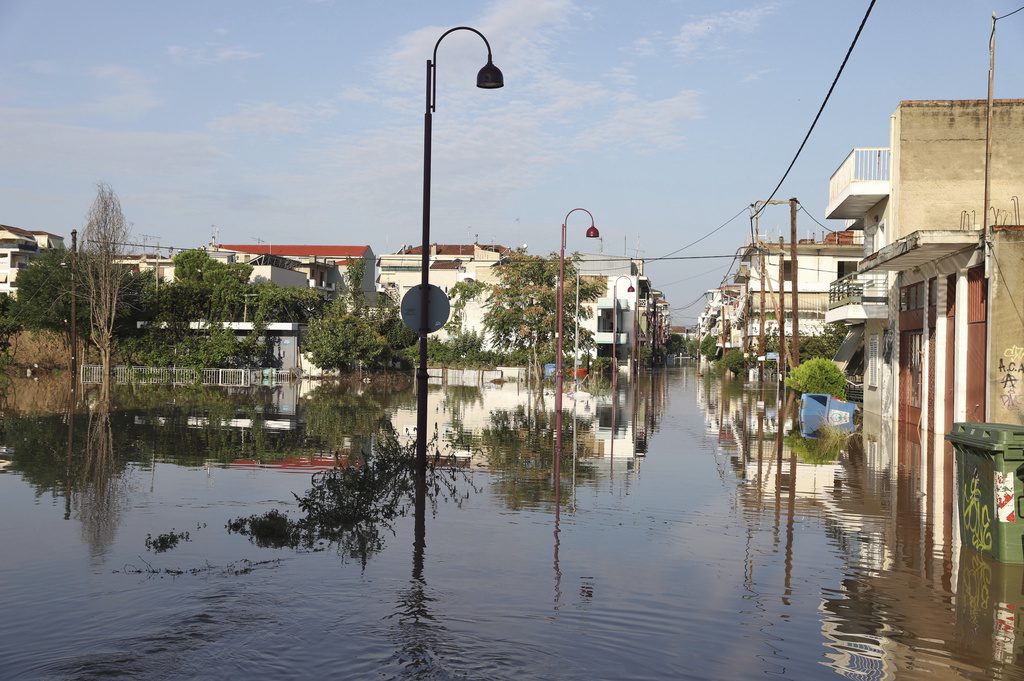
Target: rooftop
{"x": 298, "y": 250}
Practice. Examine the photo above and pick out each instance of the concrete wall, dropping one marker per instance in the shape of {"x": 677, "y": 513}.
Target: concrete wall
{"x": 278, "y": 276}
{"x": 939, "y": 162}
{"x": 1006, "y": 327}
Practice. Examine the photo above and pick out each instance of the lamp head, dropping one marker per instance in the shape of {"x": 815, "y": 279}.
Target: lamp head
{"x": 630, "y": 289}
{"x": 592, "y": 232}
{"x": 489, "y": 77}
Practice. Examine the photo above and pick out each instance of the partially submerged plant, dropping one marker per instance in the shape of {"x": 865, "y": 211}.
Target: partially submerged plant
{"x": 826, "y": 448}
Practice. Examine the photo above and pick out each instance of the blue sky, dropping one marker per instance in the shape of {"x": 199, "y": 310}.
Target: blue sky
{"x": 302, "y": 122}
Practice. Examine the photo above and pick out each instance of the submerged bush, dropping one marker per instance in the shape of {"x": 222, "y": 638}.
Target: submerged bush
{"x": 818, "y": 375}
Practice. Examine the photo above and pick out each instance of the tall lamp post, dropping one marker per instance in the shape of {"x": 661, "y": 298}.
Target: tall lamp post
{"x": 592, "y": 233}
{"x": 488, "y": 78}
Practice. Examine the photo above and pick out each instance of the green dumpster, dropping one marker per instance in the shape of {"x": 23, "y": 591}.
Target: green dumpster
{"x": 990, "y": 488}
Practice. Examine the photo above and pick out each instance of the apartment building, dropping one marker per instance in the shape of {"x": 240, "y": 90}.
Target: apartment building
{"x": 935, "y": 299}
{"x": 322, "y": 267}
{"x": 17, "y": 248}
{"x": 819, "y": 262}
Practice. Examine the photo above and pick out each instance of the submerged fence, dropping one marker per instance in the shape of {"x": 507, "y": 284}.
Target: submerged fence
{"x": 93, "y": 374}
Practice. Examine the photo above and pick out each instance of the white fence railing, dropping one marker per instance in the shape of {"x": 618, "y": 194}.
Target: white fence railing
{"x": 862, "y": 165}
{"x": 93, "y": 374}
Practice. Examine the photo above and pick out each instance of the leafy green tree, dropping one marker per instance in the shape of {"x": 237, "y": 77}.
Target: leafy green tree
{"x": 522, "y": 307}
{"x": 354, "y": 274}
{"x": 709, "y": 346}
{"x": 44, "y": 296}
{"x": 9, "y": 325}
{"x": 341, "y": 340}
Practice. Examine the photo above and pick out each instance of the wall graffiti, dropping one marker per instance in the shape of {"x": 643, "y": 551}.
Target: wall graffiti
{"x": 977, "y": 516}
{"x": 1010, "y": 376}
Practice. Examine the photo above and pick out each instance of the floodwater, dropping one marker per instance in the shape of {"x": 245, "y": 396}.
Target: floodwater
{"x": 689, "y": 541}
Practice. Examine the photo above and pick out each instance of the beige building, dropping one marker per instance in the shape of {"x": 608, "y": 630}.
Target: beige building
{"x": 17, "y": 248}
{"x": 933, "y": 298}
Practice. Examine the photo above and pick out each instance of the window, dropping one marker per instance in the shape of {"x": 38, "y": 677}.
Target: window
{"x": 873, "y": 360}
{"x": 912, "y": 297}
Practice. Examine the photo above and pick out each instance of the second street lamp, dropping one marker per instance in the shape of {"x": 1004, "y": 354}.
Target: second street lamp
{"x": 592, "y": 233}
{"x": 488, "y": 78}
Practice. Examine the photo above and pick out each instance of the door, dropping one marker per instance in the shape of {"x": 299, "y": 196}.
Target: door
{"x": 977, "y": 316}
{"x": 911, "y": 380}
{"x": 950, "y": 391}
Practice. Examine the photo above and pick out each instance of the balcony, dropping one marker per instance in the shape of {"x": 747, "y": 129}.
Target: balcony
{"x": 605, "y": 337}
{"x": 858, "y": 297}
{"x": 861, "y": 181}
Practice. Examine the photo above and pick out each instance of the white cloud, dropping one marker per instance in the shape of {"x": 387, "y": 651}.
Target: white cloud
{"x": 268, "y": 118}
{"x": 643, "y": 126}
{"x": 705, "y": 33}
{"x": 126, "y": 92}
{"x": 211, "y": 53}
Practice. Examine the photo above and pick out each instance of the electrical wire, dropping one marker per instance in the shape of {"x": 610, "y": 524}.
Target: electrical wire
{"x": 694, "y": 243}
{"x": 1010, "y": 14}
{"x": 808, "y": 213}
{"x": 823, "y": 103}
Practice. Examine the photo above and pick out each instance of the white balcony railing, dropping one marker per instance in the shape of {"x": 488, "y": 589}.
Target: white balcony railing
{"x": 862, "y": 165}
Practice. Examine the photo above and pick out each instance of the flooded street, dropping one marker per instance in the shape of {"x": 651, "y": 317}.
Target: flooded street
{"x": 691, "y": 541}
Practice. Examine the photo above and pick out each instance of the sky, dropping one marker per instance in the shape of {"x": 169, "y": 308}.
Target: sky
{"x": 302, "y": 121}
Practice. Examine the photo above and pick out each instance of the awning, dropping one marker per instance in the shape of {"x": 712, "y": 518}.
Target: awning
{"x": 850, "y": 346}
{"x": 917, "y": 248}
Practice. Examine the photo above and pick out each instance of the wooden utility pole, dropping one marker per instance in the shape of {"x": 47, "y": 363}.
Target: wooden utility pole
{"x": 795, "y": 336}
{"x": 761, "y": 278}
{"x": 782, "y": 308}
{"x": 74, "y": 317}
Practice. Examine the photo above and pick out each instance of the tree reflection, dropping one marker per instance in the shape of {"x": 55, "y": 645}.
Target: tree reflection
{"x": 355, "y": 507}
{"x": 100, "y": 482}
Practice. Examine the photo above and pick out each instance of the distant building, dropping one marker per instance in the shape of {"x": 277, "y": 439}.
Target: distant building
{"x": 17, "y": 248}
{"x": 323, "y": 267}
{"x": 449, "y": 264}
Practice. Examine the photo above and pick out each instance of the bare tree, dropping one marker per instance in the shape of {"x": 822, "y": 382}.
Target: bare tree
{"x": 105, "y": 233}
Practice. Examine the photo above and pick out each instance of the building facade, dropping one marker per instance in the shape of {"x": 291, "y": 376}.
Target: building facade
{"x": 17, "y": 248}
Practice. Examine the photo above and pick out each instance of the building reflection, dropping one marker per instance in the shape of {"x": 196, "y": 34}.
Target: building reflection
{"x": 912, "y": 599}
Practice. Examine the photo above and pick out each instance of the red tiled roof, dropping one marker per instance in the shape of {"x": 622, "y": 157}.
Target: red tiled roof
{"x": 320, "y": 251}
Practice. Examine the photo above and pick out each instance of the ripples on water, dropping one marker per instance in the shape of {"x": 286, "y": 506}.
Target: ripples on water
{"x": 709, "y": 558}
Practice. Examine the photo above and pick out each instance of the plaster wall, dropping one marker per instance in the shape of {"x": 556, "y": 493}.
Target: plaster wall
{"x": 1005, "y": 396}
{"x": 939, "y": 162}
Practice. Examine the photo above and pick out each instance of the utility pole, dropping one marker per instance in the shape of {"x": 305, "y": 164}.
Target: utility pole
{"x": 988, "y": 123}
{"x": 782, "y": 309}
{"x": 795, "y": 339}
{"x": 758, "y": 206}
{"x": 74, "y": 317}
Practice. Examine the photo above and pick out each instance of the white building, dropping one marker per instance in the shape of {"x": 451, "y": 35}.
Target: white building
{"x": 17, "y": 248}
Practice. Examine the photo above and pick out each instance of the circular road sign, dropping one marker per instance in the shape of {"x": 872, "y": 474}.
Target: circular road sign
{"x": 438, "y": 308}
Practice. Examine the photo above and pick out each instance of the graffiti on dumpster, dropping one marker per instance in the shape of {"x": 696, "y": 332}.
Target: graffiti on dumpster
{"x": 1010, "y": 372}
{"x": 977, "y": 518}
{"x": 1004, "y": 497}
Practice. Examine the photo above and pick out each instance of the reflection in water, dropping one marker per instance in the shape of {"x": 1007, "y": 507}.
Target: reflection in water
{"x": 736, "y": 547}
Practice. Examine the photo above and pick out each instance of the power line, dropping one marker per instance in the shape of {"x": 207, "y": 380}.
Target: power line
{"x": 808, "y": 213}
{"x": 823, "y": 103}
{"x": 693, "y": 243}
{"x": 1010, "y": 14}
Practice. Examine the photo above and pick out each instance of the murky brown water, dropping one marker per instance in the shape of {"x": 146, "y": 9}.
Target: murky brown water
{"x": 713, "y": 556}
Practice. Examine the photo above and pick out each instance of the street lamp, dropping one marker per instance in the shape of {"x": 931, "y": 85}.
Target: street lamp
{"x": 488, "y": 78}
{"x": 592, "y": 233}
{"x": 615, "y": 326}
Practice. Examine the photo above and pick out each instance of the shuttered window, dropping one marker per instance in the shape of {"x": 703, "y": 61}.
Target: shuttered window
{"x": 873, "y": 360}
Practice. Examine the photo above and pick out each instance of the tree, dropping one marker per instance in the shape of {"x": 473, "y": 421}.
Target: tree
{"x": 44, "y": 296}
{"x": 9, "y": 325}
{"x": 354, "y": 281}
{"x": 522, "y": 308}
{"x": 340, "y": 340}
{"x": 103, "y": 278}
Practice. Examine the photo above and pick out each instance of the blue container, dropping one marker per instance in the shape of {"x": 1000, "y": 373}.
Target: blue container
{"x": 818, "y": 410}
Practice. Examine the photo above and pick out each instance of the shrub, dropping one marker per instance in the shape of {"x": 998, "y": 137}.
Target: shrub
{"x": 732, "y": 362}
{"x": 818, "y": 375}
{"x": 709, "y": 346}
